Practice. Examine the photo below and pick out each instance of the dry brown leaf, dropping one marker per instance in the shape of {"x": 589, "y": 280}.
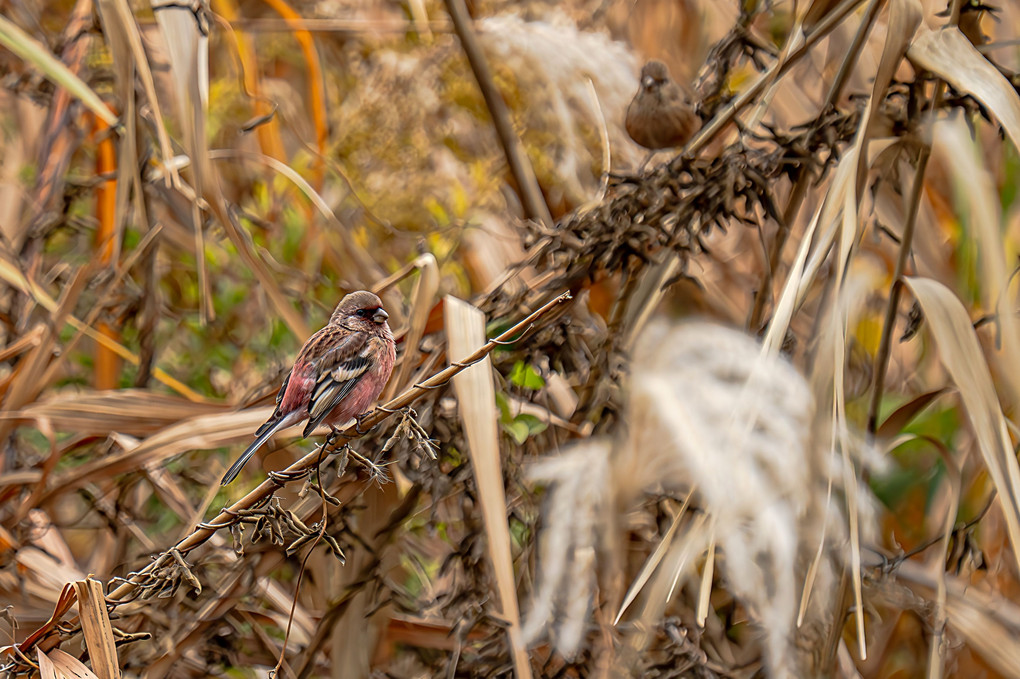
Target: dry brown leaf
{"x": 963, "y": 359}
{"x": 951, "y": 56}
{"x": 96, "y": 628}
{"x": 204, "y": 432}
{"x": 67, "y": 666}
{"x": 129, "y": 411}
{"x": 46, "y": 668}
{"x": 963, "y": 160}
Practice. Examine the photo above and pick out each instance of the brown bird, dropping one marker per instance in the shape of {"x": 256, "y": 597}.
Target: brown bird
{"x": 660, "y": 116}
{"x": 339, "y": 373}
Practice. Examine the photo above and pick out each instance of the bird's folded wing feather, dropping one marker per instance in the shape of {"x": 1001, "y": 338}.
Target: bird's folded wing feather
{"x": 337, "y": 373}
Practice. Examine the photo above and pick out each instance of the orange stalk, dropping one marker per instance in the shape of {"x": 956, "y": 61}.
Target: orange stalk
{"x": 315, "y": 82}
{"x": 107, "y": 363}
{"x": 269, "y": 133}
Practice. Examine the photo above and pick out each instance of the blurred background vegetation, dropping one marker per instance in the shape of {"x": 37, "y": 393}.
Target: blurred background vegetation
{"x": 186, "y": 191}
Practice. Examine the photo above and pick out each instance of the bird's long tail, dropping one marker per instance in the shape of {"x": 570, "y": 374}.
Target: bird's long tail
{"x": 235, "y": 468}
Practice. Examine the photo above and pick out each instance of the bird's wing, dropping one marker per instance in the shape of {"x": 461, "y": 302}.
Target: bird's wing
{"x": 336, "y": 374}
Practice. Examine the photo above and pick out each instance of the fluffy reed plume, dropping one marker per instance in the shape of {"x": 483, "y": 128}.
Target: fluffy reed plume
{"x": 707, "y": 412}
{"x": 569, "y": 543}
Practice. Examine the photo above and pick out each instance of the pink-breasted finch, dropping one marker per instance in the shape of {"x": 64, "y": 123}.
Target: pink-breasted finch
{"x": 660, "y": 116}
{"x": 339, "y": 373}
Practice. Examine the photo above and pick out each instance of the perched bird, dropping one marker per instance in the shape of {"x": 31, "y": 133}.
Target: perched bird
{"x": 660, "y": 116}
{"x": 338, "y": 374}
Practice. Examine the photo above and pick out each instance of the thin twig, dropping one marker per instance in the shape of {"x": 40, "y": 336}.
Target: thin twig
{"x": 263, "y": 491}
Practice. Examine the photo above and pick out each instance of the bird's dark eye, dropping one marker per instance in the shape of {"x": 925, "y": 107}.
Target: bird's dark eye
{"x": 362, "y": 312}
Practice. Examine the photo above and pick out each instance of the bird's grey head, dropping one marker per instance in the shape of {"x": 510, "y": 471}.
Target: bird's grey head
{"x": 362, "y": 307}
{"x": 654, "y": 74}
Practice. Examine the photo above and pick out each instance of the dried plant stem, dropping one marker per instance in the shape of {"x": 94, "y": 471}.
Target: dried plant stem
{"x": 805, "y": 176}
{"x": 262, "y": 492}
{"x": 106, "y": 373}
{"x": 885, "y": 343}
{"x": 531, "y": 195}
{"x": 724, "y": 117}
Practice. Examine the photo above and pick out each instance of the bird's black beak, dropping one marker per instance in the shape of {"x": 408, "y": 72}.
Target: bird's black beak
{"x": 380, "y": 316}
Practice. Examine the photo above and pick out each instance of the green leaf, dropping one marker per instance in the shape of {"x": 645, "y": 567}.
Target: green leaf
{"x": 523, "y": 426}
{"x": 518, "y": 430}
{"x": 504, "y": 408}
{"x": 535, "y": 425}
{"x": 524, "y": 375}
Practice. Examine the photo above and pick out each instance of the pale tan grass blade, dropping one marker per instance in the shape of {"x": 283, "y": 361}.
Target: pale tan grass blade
{"x": 28, "y": 340}
{"x": 476, "y": 399}
{"x": 607, "y": 149}
{"x": 42, "y": 575}
{"x": 841, "y": 320}
{"x": 904, "y": 18}
{"x": 66, "y": 666}
{"x": 993, "y": 642}
{"x": 787, "y": 304}
{"x": 840, "y": 204}
{"x": 967, "y": 165}
{"x": 522, "y": 405}
{"x": 950, "y": 55}
{"x": 141, "y": 63}
{"x": 840, "y": 216}
{"x": 834, "y": 217}
{"x": 812, "y": 573}
{"x": 660, "y": 589}
{"x": 794, "y": 40}
{"x": 128, "y": 411}
{"x": 960, "y": 353}
{"x": 287, "y": 171}
{"x": 96, "y": 628}
{"x": 422, "y": 299}
{"x": 35, "y": 53}
{"x": 707, "y": 575}
{"x": 691, "y": 547}
{"x": 204, "y": 432}
{"x": 652, "y": 562}
{"x": 188, "y": 53}
{"x": 46, "y": 668}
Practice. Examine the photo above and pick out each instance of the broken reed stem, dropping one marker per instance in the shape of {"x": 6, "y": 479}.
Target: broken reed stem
{"x": 263, "y": 491}
{"x": 531, "y": 195}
